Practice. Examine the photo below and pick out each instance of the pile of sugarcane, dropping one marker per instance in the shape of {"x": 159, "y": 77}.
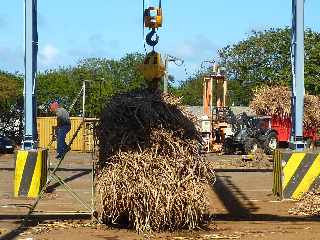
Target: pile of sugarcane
{"x": 276, "y": 101}
{"x": 309, "y": 205}
{"x": 150, "y": 174}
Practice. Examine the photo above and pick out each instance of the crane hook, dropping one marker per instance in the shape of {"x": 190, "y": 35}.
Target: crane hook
{"x": 149, "y": 40}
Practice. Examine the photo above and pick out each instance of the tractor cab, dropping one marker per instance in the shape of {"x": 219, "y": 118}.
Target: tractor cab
{"x": 251, "y": 133}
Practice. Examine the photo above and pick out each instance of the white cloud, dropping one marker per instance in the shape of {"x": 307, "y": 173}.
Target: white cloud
{"x": 11, "y": 57}
{"x": 43, "y": 21}
{"x": 199, "y": 47}
{"x": 3, "y": 22}
{"x": 97, "y": 40}
{"x": 185, "y": 49}
{"x": 193, "y": 51}
{"x": 95, "y": 46}
{"x": 48, "y": 55}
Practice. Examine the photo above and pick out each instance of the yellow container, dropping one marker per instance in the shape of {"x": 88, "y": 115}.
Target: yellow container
{"x": 83, "y": 141}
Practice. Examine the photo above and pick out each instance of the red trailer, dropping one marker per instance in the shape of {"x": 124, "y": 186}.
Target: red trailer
{"x": 283, "y": 128}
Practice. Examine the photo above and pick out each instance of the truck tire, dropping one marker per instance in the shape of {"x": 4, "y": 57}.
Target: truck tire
{"x": 228, "y": 146}
{"x": 250, "y": 146}
{"x": 271, "y": 143}
{"x": 309, "y": 143}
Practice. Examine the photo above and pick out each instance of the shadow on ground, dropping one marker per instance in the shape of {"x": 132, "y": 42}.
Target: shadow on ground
{"x": 240, "y": 208}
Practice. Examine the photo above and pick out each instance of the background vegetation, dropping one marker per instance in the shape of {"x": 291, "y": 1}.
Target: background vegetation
{"x": 262, "y": 58}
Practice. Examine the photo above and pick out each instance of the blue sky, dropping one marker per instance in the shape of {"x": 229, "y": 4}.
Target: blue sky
{"x": 193, "y": 30}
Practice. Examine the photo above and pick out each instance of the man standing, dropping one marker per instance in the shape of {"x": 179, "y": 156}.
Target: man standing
{"x": 63, "y": 127}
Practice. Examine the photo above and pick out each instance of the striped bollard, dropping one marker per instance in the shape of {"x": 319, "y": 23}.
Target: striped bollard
{"x": 295, "y": 173}
{"x": 30, "y": 172}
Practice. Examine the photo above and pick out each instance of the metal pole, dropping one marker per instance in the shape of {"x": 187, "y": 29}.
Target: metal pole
{"x": 30, "y": 64}
{"x": 83, "y": 117}
{"x": 100, "y": 98}
{"x": 298, "y": 74}
{"x": 83, "y": 99}
{"x": 165, "y": 78}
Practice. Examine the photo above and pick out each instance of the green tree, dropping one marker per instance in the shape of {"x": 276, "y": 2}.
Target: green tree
{"x": 11, "y": 86}
{"x": 191, "y": 90}
{"x": 264, "y": 58}
{"x": 105, "y": 77}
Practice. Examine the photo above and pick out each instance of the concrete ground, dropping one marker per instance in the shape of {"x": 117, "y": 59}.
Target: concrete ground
{"x": 241, "y": 202}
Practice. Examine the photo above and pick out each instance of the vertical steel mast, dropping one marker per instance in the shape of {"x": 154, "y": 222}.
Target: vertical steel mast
{"x": 31, "y": 161}
{"x": 297, "y": 59}
{"x": 30, "y": 61}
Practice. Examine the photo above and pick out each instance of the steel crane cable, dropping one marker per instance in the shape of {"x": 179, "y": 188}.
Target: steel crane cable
{"x": 143, "y": 33}
{"x": 178, "y": 62}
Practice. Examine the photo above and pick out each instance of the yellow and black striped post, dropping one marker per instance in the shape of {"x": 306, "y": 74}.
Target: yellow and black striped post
{"x": 295, "y": 173}
{"x": 30, "y": 172}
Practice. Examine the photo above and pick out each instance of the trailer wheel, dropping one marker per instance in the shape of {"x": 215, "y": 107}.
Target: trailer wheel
{"x": 271, "y": 143}
{"x": 310, "y": 144}
{"x": 251, "y": 146}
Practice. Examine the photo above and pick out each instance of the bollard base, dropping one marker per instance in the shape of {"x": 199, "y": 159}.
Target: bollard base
{"x": 30, "y": 172}
{"x": 295, "y": 173}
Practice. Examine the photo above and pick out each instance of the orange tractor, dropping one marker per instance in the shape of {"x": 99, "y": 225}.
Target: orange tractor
{"x": 213, "y": 126}
{"x": 222, "y": 130}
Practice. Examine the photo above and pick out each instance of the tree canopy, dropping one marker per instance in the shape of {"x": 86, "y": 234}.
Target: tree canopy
{"x": 105, "y": 77}
{"x": 10, "y": 87}
{"x": 262, "y": 58}
{"x": 191, "y": 90}
{"x": 265, "y": 58}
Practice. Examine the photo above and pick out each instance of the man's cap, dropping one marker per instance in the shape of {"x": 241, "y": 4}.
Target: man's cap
{"x": 53, "y": 105}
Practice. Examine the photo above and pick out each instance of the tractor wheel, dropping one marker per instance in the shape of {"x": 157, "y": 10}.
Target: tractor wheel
{"x": 228, "y": 146}
{"x": 250, "y": 146}
{"x": 271, "y": 143}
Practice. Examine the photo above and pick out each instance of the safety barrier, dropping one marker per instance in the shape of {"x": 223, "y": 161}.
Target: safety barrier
{"x": 30, "y": 172}
{"x": 295, "y": 173}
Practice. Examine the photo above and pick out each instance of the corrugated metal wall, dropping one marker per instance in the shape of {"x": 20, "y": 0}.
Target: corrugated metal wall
{"x": 83, "y": 142}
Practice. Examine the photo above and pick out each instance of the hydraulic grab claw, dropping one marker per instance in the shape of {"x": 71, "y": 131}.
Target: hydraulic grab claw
{"x": 153, "y": 69}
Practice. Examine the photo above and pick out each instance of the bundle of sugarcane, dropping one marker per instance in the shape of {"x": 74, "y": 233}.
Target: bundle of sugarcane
{"x": 276, "y": 101}
{"x": 309, "y": 205}
{"x": 150, "y": 174}
{"x": 311, "y": 111}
